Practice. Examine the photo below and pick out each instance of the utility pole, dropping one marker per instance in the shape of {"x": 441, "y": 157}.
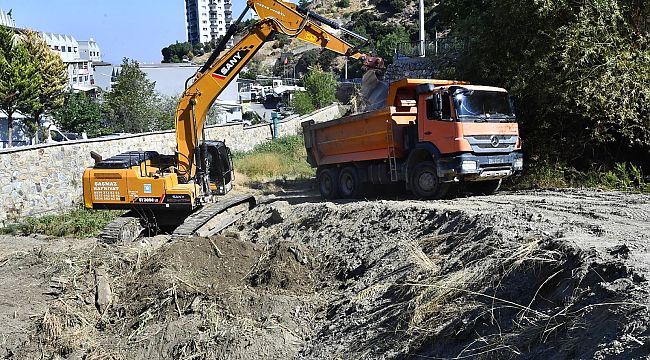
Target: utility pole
{"x": 422, "y": 34}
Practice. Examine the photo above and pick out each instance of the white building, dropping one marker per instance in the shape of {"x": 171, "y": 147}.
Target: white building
{"x": 207, "y": 20}
{"x": 89, "y": 50}
{"x": 6, "y": 19}
{"x": 80, "y": 69}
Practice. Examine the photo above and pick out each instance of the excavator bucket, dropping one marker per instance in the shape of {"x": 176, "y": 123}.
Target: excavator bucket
{"x": 373, "y": 90}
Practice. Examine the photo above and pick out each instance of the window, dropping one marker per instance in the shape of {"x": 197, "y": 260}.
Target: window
{"x": 70, "y": 49}
{"x": 63, "y": 49}
{"x": 56, "y": 47}
{"x": 433, "y": 113}
{"x": 86, "y": 78}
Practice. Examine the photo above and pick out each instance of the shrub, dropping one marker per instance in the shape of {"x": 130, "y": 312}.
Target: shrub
{"x": 301, "y": 103}
{"x": 343, "y": 3}
{"x": 79, "y": 222}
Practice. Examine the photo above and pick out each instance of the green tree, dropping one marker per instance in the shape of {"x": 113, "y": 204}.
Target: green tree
{"x": 132, "y": 102}
{"x": 54, "y": 79}
{"x": 387, "y": 44}
{"x": 175, "y": 53}
{"x": 301, "y": 103}
{"x": 308, "y": 59}
{"x": 166, "y": 112}
{"x": 19, "y": 79}
{"x": 579, "y": 71}
{"x": 79, "y": 113}
{"x": 343, "y": 3}
{"x": 320, "y": 91}
{"x": 321, "y": 87}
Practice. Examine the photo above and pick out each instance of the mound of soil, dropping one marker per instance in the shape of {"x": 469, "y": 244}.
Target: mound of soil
{"x": 527, "y": 275}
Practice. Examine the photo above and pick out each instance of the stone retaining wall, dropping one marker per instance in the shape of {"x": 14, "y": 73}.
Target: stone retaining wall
{"x": 414, "y": 68}
{"x": 45, "y": 178}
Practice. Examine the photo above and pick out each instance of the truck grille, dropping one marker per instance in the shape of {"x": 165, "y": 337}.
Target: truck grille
{"x": 492, "y": 143}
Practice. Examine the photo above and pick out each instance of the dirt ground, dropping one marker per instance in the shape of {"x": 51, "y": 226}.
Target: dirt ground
{"x": 527, "y": 275}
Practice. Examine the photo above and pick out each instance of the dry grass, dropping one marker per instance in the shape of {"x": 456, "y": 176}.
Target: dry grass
{"x": 281, "y": 158}
{"x": 433, "y": 299}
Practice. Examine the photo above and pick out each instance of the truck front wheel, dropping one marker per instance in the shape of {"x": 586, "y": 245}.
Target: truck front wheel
{"x": 328, "y": 183}
{"x": 425, "y": 182}
{"x": 349, "y": 184}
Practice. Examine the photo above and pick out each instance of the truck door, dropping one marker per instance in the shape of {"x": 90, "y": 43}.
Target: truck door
{"x": 436, "y": 124}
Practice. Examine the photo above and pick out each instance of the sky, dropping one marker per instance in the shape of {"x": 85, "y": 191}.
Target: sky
{"x": 137, "y": 29}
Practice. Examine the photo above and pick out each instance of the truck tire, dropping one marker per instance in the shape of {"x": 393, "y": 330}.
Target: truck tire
{"x": 350, "y": 186}
{"x": 487, "y": 187}
{"x": 425, "y": 182}
{"x": 328, "y": 183}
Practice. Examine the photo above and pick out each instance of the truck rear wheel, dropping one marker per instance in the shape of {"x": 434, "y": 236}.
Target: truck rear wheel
{"x": 487, "y": 187}
{"x": 425, "y": 182}
{"x": 349, "y": 185}
{"x": 328, "y": 183}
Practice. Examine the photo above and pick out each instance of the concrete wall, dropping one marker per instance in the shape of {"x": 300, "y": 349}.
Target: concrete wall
{"x": 44, "y": 178}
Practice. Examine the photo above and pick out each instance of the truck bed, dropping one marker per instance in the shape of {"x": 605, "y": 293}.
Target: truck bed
{"x": 360, "y": 137}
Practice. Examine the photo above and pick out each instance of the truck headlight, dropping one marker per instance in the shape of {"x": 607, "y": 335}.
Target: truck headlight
{"x": 519, "y": 163}
{"x": 468, "y": 166}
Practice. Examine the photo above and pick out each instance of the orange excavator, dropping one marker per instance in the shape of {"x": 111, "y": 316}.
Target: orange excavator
{"x": 186, "y": 190}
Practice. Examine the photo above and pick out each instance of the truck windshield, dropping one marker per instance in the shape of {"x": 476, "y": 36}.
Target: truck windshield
{"x": 483, "y": 106}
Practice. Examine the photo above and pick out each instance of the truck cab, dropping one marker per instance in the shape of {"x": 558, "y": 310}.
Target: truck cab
{"x": 473, "y": 130}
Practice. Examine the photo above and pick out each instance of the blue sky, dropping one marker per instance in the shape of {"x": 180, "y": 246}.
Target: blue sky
{"x": 137, "y": 29}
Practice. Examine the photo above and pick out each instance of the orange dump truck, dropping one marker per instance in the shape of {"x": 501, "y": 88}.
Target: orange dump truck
{"x": 430, "y": 135}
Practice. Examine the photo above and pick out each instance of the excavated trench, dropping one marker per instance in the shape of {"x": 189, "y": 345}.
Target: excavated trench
{"x": 366, "y": 280}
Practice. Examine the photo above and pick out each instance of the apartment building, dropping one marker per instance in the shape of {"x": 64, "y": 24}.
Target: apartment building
{"x": 89, "y": 50}
{"x": 78, "y": 58}
{"x": 207, "y": 20}
{"x": 6, "y": 19}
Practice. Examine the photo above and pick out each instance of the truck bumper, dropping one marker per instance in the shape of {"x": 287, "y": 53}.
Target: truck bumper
{"x": 470, "y": 167}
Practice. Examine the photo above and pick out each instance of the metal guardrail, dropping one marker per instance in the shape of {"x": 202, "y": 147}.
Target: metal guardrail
{"x": 432, "y": 48}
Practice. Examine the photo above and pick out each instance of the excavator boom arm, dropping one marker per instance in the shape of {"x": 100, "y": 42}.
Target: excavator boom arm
{"x": 276, "y": 16}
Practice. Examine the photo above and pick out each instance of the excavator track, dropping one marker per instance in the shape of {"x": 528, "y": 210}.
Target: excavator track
{"x": 217, "y": 213}
{"x": 123, "y": 229}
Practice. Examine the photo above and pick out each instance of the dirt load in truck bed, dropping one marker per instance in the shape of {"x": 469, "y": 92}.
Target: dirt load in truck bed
{"x": 534, "y": 274}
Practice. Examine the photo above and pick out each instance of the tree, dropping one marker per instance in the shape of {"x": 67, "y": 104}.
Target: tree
{"x": 54, "y": 79}
{"x": 301, "y": 102}
{"x": 308, "y": 59}
{"x": 79, "y": 113}
{"x": 387, "y": 44}
{"x": 579, "y": 71}
{"x": 321, "y": 87}
{"x": 132, "y": 102}
{"x": 166, "y": 112}
{"x": 320, "y": 91}
{"x": 19, "y": 80}
{"x": 175, "y": 53}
